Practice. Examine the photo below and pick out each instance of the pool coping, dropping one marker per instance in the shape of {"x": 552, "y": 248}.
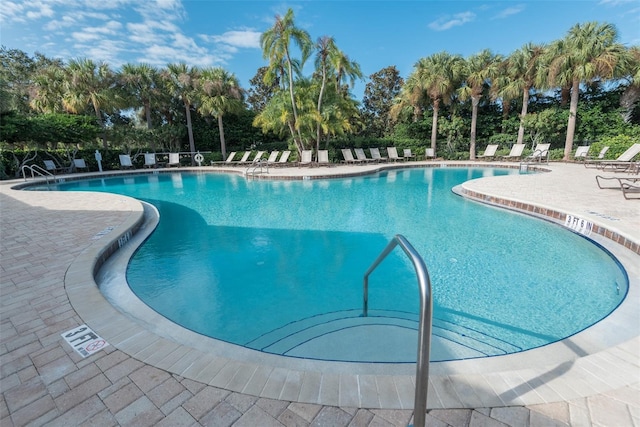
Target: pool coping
{"x": 587, "y": 363}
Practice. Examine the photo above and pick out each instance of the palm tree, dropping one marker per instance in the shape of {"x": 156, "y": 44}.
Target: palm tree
{"x": 48, "y": 89}
{"x": 332, "y": 63}
{"x": 631, "y": 95}
{"x": 140, "y": 81}
{"x": 219, "y": 93}
{"x": 589, "y": 52}
{"x": 346, "y": 70}
{"x": 181, "y": 81}
{"x": 479, "y": 69}
{"x": 89, "y": 84}
{"x": 522, "y": 73}
{"x": 439, "y": 76}
{"x": 276, "y": 43}
{"x": 325, "y": 48}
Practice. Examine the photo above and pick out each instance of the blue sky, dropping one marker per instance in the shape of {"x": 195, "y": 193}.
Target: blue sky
{"x": 376, "y": 34}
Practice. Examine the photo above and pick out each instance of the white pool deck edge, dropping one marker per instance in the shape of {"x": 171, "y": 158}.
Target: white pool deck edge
{"x": 604, "y": 357}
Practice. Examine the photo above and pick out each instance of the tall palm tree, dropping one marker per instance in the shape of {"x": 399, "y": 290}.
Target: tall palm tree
{"x": 140, "y": 81}
{"x": 522, "y": 73}
{"x": 325, "y": 49}
{"x": 347, "y": 71}
{"x": 276, "y": 47}
{"x": 47, "y": 90}
{"x": 479, "y": 69}
{"x": 219, "y": 93}
{"x": 89, "y": 84}
{"x": 332, "y": 64}
{"x": 439, "y": 76}
{"x": 181, "y": 80}
{"x": 588, "y": 52}
{"x": 631, "y": 95}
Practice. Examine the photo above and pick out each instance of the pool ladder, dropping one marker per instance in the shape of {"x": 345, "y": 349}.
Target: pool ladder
{"x": 253, "y": 167}
{"x": 37, "y": 170}
{"x": 425, "y": 321}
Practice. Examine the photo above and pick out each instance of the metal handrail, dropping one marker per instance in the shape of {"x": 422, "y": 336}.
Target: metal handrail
{"x": 37, "y": 170}
{"x": 424, "y": 328}
{"x": 255, "y": 165}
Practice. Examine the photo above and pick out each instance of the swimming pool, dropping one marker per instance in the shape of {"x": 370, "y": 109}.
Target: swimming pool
{"x": 277, "y": 265}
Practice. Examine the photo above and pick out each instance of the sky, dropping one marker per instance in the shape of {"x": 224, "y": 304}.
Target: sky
{"x": 375, "y": 34}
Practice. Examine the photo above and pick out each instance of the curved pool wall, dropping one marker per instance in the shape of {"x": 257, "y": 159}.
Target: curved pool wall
{"x": 447, "y": 329}
{"x": 558, "y": 372}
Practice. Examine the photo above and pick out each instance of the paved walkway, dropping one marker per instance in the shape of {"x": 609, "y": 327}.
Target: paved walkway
{"x": 45, "y": 236}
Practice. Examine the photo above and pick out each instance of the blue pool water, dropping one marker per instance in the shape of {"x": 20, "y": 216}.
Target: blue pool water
{"x": 278, "y": 266}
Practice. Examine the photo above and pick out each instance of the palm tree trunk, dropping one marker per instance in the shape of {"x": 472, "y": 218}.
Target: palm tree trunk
{"x": 223, "y": 145}
{"x": 474, "y": 120}
{"x": 293, "y": 100}
{"x": 104, "y": 131}
{"x": 523, "y": 114}
{"x": 324, "y": 79}
{"x": 192, "y": 145}
{"x": 434, "y": 124}
{"x": 571, "y": 124}
{"x": 147, "y": 110}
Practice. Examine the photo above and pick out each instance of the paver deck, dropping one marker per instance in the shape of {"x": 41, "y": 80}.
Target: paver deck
{"x": 50, "y": 242}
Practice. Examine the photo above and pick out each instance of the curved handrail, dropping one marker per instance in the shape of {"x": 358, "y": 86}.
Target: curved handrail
{"x": 35, "y": 169}
{"x": 424, "y": 328}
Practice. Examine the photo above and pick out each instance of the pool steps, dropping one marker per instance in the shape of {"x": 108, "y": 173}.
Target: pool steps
{"x": 308, "y": 338}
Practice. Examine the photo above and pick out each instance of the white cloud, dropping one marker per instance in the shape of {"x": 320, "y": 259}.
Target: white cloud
{"x": 513, "y": 10}
{"x": 65, "y": 22}
{"x": 11, "y": 12}
{"x": 448, "y": 22}
{"x": 41, "y": 10}
{"x": 616, "y": 2}
{"x": 82, "y": 36}
{"x": 119, "y": 31}
{"x": 239, "y": 38}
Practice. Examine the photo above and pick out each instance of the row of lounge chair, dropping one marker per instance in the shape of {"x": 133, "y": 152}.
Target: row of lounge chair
{"x": 630, "y": 184}
{"x": 78, "y": 165}
{"x": 322, "y": 158}
{"x": 376, "y": 157}
{"x": 539, "y": 154}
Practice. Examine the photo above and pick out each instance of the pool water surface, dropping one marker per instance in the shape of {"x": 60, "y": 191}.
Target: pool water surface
{"x": 277, "y": 266}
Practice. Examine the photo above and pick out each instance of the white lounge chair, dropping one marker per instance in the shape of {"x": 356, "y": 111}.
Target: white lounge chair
{"x": 392, "y": 152}
{"x": 375, "y": 155}
{"x": 174, "y": 159}
{"x": 624, "y": 162}
{"x": 229, "y": 159}
{"x": 258, "y": 157}
{"x": 361, "y": 156}
{"x": 581, "y": 153}
{"x": 323, "y": 158}
{"x": 80, "y": 165}
{"x": 244, "y": 159}
{"x": 515, "y": 153}
{"x": 540, "y": 153}
{"x": 272, "y": 157}
{"x": 50, "y": 166}
{"x": 591, "y": 161}
{"x": 429, "y": 153}
{"x": 489, "y": 152}
{"x": 149, "y": 160}
{"x": 284, "y": 158}
{"x": 408, "y": 155}
{"x": 306, "y": 158}
{"x": 125, "y": 161}
{"x": 629, "y": 185}
{"x": 347, "y": 155}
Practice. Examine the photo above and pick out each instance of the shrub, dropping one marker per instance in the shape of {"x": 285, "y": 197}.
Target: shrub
{"x": 617, "y": 145}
